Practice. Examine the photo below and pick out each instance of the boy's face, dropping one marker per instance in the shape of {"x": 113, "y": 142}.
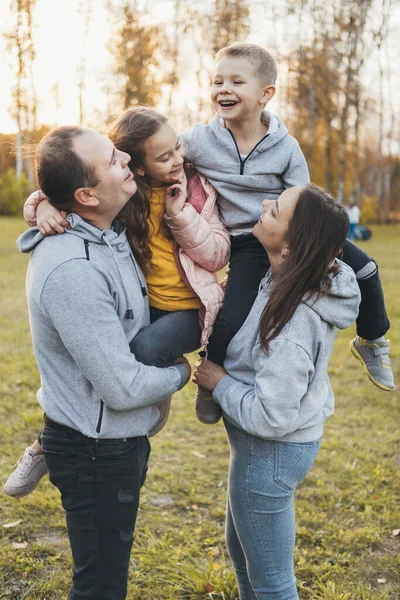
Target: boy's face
{"x": 237, "y": 92}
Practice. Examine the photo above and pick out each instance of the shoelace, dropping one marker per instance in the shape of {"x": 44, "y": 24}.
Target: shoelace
{"x": 25, "y": 463}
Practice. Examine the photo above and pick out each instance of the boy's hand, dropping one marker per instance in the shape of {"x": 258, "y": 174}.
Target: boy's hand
{"x": 208, "y": 374}
{"x": 50, "y": 220}
{"x": 175, "y": 196}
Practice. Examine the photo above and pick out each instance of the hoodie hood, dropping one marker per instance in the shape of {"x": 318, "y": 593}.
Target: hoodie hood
{"x": 82, "y": 229}
{"x": 114, "y": 239}
{"x": 276, "y": 132}
{"x": 339, "y": 307}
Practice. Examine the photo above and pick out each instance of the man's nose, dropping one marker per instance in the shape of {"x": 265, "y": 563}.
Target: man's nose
{"x": 126, "y": 159}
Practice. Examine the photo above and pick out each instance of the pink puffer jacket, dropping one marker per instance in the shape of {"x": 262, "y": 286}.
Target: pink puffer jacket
{"x": 202, "y": 248}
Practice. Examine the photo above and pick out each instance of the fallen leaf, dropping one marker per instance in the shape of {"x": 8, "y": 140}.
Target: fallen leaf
{"x": 396, "y": 532}
{"x": 208, "y": 588}
{"x": 197, "y": 454}
{"x": 19, "y": 545}
{"x": 381, "y": 580}
{"x": 13, "y": 524}
{"x": 214, "y": 551}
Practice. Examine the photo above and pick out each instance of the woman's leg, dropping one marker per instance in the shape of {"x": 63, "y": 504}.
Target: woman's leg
{"x": 237, "y": 557}
{"x": 263, "y": 476}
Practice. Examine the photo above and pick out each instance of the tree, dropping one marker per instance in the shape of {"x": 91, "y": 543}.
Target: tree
{"x": 134, "y": 45}
{"x": 229, "y": 23}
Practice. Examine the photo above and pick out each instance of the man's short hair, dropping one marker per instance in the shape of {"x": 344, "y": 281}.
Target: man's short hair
{"x": 263, "y": 61}
{"x": 59, "y": 169}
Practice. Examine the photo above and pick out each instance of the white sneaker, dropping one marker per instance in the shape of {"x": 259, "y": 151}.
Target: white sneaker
{"x": 375, "y": 360}
{"x": 30, "y": 470}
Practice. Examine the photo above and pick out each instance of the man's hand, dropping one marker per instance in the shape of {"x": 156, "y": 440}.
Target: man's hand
{"x": 183, "y": 361}
{"x": 50, "y": 220}
{"x": 208, "y": 374}
{"x": 175, "y": 196}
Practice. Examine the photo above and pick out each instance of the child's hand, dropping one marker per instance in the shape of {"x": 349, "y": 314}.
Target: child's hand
{"x": 175, "y": 196}
{"x": 50, "y": 220}
{"x": 208, "y": 374}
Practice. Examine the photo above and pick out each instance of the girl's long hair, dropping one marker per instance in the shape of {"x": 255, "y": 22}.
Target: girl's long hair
{"x": 315, "y": 236}
{"x": 128, "y": 133}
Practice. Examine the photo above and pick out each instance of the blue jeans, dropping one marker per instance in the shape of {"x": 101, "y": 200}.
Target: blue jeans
{"x": 260, "y": 524}
{"x": 99, "y": 481}
{"x": 169, "y": 335}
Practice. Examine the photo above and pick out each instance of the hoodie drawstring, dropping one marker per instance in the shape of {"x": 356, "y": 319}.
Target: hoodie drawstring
{"x": 129, "y": 312}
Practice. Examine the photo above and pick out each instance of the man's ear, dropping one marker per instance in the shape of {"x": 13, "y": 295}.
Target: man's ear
{"x": 86, "y": 197}
{"x": 268, "y": 94}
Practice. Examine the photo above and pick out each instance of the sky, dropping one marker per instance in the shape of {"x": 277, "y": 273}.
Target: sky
{"x": 60, "y": 42}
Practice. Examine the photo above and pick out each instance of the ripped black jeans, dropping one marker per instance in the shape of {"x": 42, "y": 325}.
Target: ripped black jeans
{"x": 99, "y": 482}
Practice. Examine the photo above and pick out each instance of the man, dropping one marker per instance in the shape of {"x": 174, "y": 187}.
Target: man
{"x": 87, "y": 301}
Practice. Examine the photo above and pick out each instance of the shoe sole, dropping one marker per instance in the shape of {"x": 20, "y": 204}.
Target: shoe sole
{"x": 359, "y": 357}
{"x": 208, "y": 422}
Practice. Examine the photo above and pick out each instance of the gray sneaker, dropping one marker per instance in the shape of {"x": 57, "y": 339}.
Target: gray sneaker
{"x": 375, "y": 360}
{"x": 30, "y": 470}
{"x": 207, "y": 410}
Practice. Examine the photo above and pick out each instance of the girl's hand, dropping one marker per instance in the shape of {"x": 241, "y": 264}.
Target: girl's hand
{"x": 50, "y": 220}
{"x": 208, "y": 374}
{"x": 175, "y": 196}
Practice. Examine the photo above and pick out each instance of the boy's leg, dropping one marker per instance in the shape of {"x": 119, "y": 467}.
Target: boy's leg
{"x": 100, "y": 483}
{"x": 248, "y": 265}
{"x": 370, "y": 346}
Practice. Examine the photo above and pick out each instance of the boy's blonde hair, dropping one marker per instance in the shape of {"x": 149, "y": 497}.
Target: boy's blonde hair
{"x": 264, "y": 62}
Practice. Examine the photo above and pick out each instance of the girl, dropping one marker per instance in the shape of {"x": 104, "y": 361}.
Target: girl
{"x": 274, "y": 391}
{"x": 175, "y": 232}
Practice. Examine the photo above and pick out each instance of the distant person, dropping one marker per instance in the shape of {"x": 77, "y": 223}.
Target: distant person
{"x": 274, "y": 388}
{"x": 248, "y": 155}
{"x": 87, "y": 300}
{"x": 354, "y": 218}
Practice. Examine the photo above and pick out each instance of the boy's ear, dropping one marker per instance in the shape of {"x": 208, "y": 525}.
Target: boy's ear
{"x": 86, "y": 197}
{"x": 268, "y": 94}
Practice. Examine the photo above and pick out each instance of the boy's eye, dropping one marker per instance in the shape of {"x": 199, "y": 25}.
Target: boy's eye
{"x": 217, "y": 82}
{"x": 238, "y": 82}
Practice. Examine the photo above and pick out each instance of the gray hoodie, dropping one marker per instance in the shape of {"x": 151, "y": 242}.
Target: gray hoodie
{"x": 87, "y": 300}
{"x": 275, "y": 164}
{"x": 286, "y": 394}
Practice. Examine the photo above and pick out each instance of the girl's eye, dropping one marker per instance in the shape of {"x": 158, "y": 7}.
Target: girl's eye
{"x": 164, "y": 159}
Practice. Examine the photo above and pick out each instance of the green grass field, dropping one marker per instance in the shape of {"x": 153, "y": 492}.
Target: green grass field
{"x": 347, "y": 508}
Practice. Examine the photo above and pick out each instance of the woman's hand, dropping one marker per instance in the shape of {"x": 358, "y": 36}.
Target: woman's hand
{"x": 49, "y": 219}
{"x": 175, "y": 196}
{"x": 208, "y": 374}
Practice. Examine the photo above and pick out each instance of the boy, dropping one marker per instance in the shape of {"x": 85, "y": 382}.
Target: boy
{"x": 247, "y": 154}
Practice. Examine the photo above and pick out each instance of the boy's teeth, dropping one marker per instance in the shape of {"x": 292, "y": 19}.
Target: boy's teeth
{"x": 227, "y": 103}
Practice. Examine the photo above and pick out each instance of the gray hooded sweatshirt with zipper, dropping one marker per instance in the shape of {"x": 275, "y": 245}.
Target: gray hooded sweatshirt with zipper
{"x": 87, "y": 300}
{"x": 275, "y": 164}
{"x": 286, "y": 395}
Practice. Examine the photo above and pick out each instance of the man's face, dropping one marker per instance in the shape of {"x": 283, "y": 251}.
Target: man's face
{"x": 116, "y": 183}
{"x": 237, "y": 92}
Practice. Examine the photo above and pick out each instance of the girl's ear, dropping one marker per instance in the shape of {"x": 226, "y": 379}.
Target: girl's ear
{"x": 140, "y": 171}
{"x": 285, "y": 252}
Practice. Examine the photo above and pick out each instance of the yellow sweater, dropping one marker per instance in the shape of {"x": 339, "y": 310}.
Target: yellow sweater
{"x": 166, "y": 289}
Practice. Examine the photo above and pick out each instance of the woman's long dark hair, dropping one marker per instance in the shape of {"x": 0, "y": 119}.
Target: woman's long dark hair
{"x": 315, "y": 236}
{"x": 128, "y": 133}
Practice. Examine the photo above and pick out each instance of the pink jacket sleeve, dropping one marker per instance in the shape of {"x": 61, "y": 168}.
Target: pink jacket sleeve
{"x": 30, "y": 207}
{"x": 207, "y": 243}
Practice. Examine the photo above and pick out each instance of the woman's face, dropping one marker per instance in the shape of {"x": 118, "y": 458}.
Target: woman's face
{"x": 272, "y": 227}
{"x": 163, "y": 156}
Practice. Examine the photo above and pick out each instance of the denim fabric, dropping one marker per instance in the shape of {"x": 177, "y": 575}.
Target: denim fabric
{"x": 260, "y": 526}
{"x": 169, "y": 335}
{"x": 248, "y": 265}
{"x": 99, "y": 482}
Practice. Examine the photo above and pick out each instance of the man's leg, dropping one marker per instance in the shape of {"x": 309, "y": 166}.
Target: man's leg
{"x": 100, "y": 483}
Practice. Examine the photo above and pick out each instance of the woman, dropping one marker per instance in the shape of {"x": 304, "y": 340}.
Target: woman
{"x": 274, "y": 390}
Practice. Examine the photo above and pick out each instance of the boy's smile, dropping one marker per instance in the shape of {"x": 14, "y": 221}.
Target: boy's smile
{"x": 237, "y": 92}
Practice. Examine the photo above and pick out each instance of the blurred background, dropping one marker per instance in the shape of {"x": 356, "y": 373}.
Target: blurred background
{"x": 85, "y": 61}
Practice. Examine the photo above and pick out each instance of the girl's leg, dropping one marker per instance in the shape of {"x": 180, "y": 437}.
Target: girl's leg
{"x": 263, "y": 476}
{"x": 169, "y": 335}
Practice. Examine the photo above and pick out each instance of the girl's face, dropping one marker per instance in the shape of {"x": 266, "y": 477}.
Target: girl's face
{"x": 163, "y": 156}
{"x": 272, "y": 227}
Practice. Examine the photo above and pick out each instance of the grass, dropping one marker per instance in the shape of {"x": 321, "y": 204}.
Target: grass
{"x": 347, "y": 508}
